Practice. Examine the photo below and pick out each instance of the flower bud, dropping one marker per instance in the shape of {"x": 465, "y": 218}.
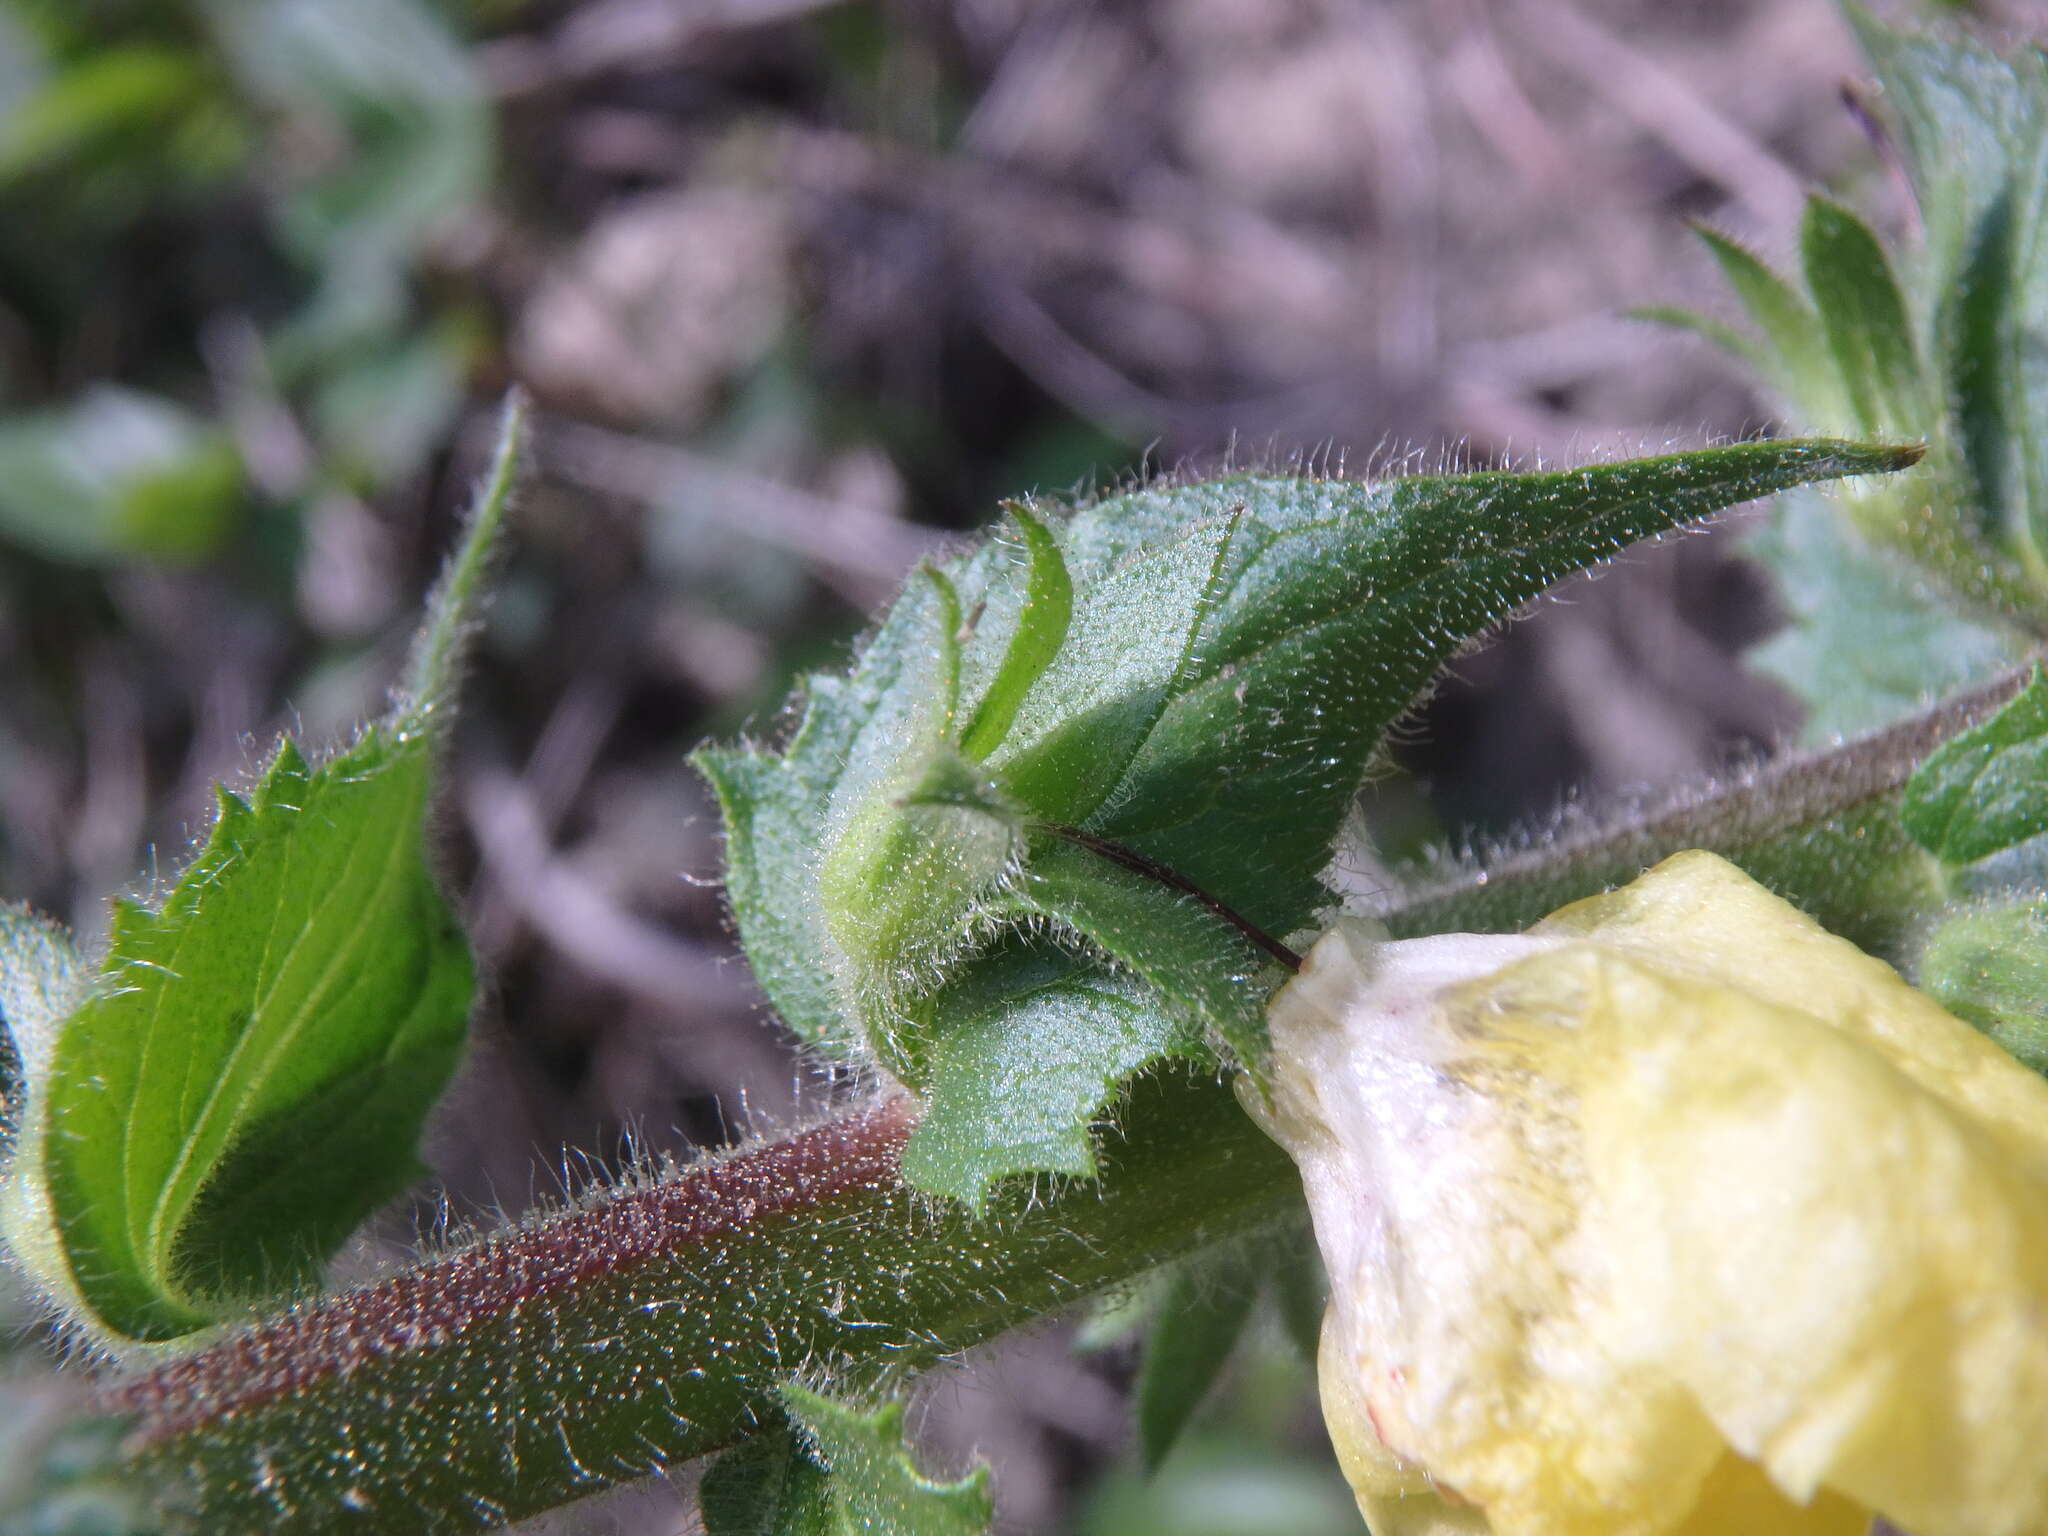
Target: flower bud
{"x": 1674, "y": 1214}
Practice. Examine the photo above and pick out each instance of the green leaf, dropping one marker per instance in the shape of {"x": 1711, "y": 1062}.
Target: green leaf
{"x": 1986, "y": 790}
{"x": 915, "y": 835}
{"x": 246, "y": 1079}
{"x": 1207, "y": 1304}
{"x": 1045, "y": 607}
{"x": 1863, "y": 316}
{"x": 1035, "y": 1046}
{"x": 1800, "y": 367}
{"x": 1339, "y": 604}
{"x": 116, "y": 475}
{"x": 842, "y": 1473}
{"x": 1870, "y": 639}
{"x": 1234, "y": 652}
{"x": 1974, "y": 127}
{"x": 1990, "y": 967}
{"x": 1197, "y": 969}
{"x": 1129, "y": 649}
{"x": 1743, "y": 348}
{"x": 120, "y": 92}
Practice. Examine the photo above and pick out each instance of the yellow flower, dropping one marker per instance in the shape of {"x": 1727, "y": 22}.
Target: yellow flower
{"x": 1674, "y": 1214}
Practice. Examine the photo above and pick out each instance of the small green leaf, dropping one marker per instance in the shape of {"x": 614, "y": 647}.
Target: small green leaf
{"x": 1197, "y": 969}
{"x": 843, "y": 1473}
{"x": 1974, "y": 127}
{"x": 1870, "y": 639}
{"x": 865, "y": 742}
{"x": 248, "y": 1074}
{"x": 1986, "y": 790}
{"x": 1207, "y": 1304}
{"x": 1129, "y": 649}
{"x": 1743, "y": 348}
{"x": 1045, "y": 607}
{"x": 1990, "y": 967}
{"x": 1035, "y": 1046}
{"x": 1863, "y": 315}
{"x": 1997, "y": 355}
{"x": 1801, "y": 367}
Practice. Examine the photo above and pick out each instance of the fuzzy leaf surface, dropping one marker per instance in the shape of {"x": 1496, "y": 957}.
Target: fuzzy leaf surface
{"x": 1863, "y": 316}
{"x": 1986, "y": 790}
{"x": 1975, "y": 127}
{"x": 1036, "y": 1045}
{"x": 1793, "y": 355}
{"x": 247, "y": 1080}
{"x": 1870, "y": 639}
{"x": 1230, "y": 654}
{"x": 246, "y": 1077}
{"x": 765, "y": 1486}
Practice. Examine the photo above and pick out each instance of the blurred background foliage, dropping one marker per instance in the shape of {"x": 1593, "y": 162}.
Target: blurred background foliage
{"x": 803, "y": 288}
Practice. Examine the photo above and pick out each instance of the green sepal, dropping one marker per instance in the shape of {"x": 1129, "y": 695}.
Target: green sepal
{"x": 1044, "y": 608}
{"x": 1985, "y": 790}
{"x": 1035, "y": 1047}
{"x": 836, "y": 1471}
{"x": 1864, "y": 320}
{"x": 1203, "y": 1313}
{"x": 1989, "y": 966}
{"x": 1195, "y": 967}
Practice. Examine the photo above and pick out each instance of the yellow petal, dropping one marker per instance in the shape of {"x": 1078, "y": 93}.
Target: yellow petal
{"x": 1675, "y": 1173}
{"x": 1836, "y": 1213}
{"x": 1447, "y": 1192}
{"x": 1739, "y": 1500}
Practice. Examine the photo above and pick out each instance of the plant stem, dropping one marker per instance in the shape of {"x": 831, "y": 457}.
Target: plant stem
{"x": 653, "y": 1323}
{"x": 1822, "y": 831}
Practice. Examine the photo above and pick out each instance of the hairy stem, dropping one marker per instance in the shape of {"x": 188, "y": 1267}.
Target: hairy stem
{"x": 1820, "y": 830}
{"x": 653, "y": 1323}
